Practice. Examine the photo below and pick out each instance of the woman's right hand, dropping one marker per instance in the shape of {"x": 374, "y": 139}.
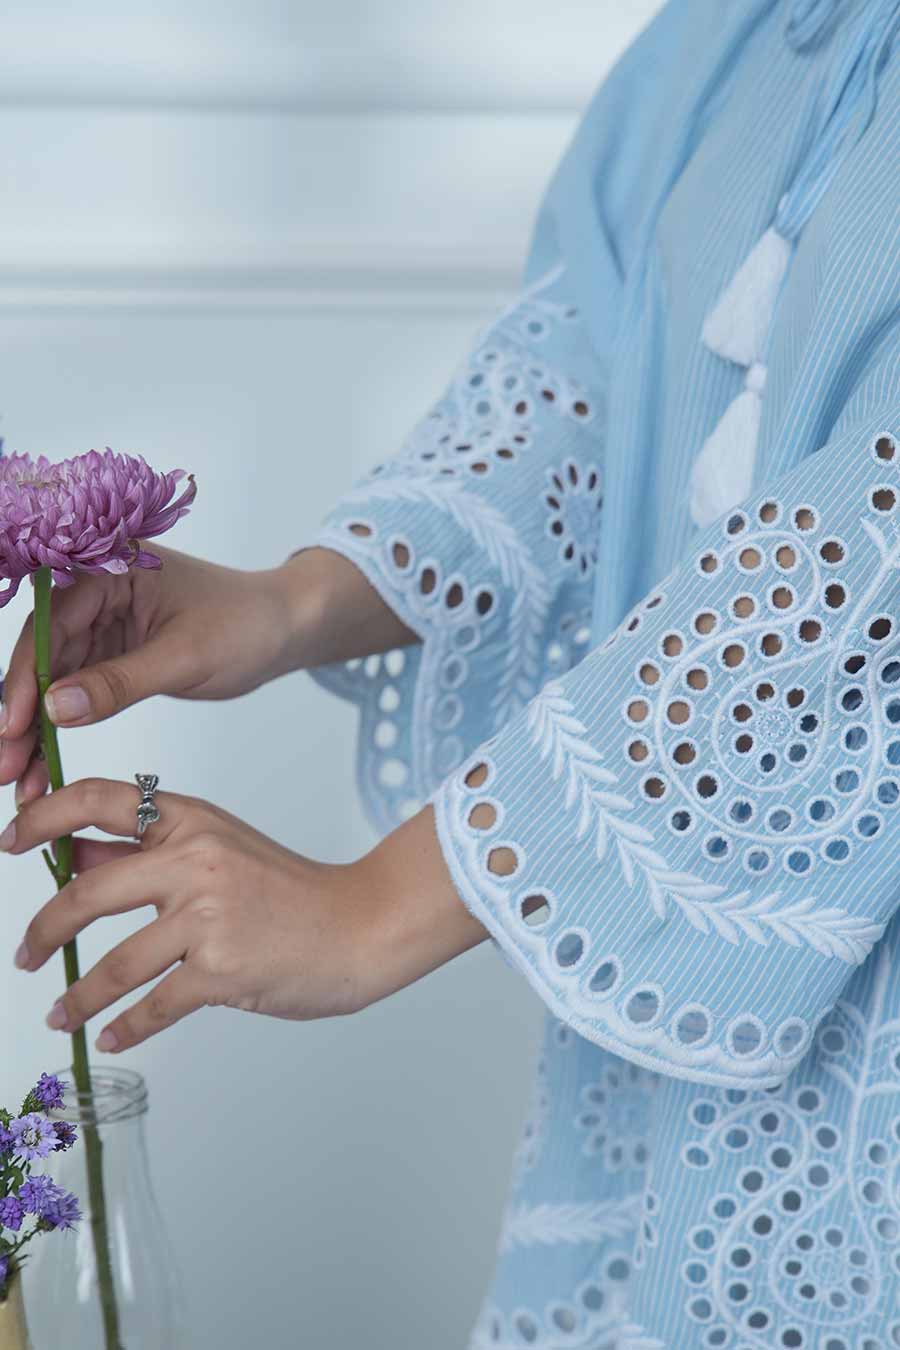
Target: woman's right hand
{"x": 191, "y": 629}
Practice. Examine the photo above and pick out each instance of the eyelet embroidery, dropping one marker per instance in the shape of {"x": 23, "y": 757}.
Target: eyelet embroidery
{"x": 771, "y": 1231}
{"x": 573, "y": 498}
{"x": 561, "y": 738}
{"x": 531, "y": 609}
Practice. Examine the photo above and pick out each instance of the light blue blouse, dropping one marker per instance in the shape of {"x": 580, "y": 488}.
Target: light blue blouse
{"x": 665, "y": 760}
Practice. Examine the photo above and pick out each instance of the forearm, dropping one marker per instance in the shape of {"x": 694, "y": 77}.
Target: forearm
{"x": 330, "y": 612}
{"x": 414, "y": 919}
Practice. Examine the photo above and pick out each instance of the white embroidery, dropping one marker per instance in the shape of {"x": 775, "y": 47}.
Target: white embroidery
{"x": 805, "y": 1213}
{"x": 634, "y": 1337}
{"x": 503, "y": 547}
{"x": 561, "y": 737}
{"x": 527, "y": 1226}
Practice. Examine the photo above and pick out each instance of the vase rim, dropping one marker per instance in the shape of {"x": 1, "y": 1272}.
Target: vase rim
{"x": 116, "y": 1095}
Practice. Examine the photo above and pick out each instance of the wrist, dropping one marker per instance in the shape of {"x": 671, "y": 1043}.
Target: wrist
{"x": 299, "y": 590}
{"x": 329, "y": 611}
{"x": 416, "y": 920}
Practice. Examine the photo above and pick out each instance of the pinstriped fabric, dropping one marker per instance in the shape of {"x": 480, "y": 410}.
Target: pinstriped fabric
{"x": 665, "y": 762}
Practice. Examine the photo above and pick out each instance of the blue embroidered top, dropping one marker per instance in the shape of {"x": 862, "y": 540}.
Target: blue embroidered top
{"x": 665, "y": 759}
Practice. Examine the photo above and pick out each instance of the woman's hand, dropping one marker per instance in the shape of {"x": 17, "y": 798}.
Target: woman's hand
{"x": 242, "y": 922}
{"x": 191, "y": 629}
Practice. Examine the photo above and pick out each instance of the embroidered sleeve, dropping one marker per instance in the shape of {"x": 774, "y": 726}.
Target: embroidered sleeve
{"x": 482, "y": 536}
{"x": 688, "y": 841}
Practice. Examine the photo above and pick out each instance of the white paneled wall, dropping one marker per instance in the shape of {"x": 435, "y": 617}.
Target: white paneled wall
{"x": 252, "y": 237}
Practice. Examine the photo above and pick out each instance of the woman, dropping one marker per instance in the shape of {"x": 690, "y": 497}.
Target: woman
{"x": 637, "y": 578}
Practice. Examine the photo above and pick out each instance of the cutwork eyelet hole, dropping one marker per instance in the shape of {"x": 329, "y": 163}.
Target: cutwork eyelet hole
{"x": 534, "y": 910}
{"x": 502, "y": 861}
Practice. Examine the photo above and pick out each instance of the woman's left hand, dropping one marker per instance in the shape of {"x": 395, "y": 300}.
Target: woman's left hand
{"x": 242, "y": 922}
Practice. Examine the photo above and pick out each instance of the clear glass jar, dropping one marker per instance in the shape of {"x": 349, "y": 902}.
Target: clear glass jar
{"x": 60, "y": 1278}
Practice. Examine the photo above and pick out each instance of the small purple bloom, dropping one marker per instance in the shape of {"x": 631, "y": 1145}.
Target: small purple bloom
{"x": 7, "y": 1140}
{"x": 54, "y": 1207}
{"x": 33, "y": 1136}
{"x": 35, "y": 1192}
{"x": 12, "y": 1212}
{"x": 49, "y": 1091}
{"x": 60, "y": 1210}
{"x": 66, "y": 1134}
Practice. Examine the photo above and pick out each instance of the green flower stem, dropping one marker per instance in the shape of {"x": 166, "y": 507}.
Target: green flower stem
{"x": 61, "y": 868}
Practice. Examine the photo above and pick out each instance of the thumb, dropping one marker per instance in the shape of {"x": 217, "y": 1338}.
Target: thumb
{"x": 96, "y": 692}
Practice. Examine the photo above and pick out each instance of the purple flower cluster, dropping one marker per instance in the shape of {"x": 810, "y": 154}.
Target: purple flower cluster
{"x": 33, "y": 1135}
{"x": 85, "y": 514}
{"x": 66, "y": 1134}
{"x": 12, "y": 1212}
{"x": 49, "y": 1091}
{"x": 24, "y": 1139}
{"x": 54, "y": 1207}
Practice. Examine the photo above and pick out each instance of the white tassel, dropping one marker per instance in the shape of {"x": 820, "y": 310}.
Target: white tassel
{"x": 737, "y": 329}
{"x": 738, "y": 326}
{"x": 722, "y": 474}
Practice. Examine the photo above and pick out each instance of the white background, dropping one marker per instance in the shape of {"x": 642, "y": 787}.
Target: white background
{"x": 252, "y": 240}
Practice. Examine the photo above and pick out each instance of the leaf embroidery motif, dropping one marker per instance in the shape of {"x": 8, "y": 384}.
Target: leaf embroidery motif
{"x": 561, "y": 738}
{"x": 527, "y": 1225}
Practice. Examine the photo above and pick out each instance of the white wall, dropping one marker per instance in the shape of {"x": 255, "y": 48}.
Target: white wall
{"x": 252, "y": 239}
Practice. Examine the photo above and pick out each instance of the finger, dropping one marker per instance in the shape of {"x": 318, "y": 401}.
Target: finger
{"x": 20, "y": 686}
{"x": 179, "y": 994}
{"x": 110, "y": 805}
{"x": 164, "y": 664}
{"x": 74, "y": 610}
{"x": 90, "y": 853}
{"x": 33, "y": 783}
{"x": 131, "y": 964}
{"x": 15, "y": 755}
{"x": 116, "y": 888}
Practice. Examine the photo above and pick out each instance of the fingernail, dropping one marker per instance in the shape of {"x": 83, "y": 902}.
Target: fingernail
{"x": 4, "y": 718}
{"x": 57, "y": 1017}
{"x": 8, "y": 837}
{"x": 67, "y": 704}
{"x": 19, "y": 793}
{"x": 22, "y": 956}
{"x": 107, "y": 1040}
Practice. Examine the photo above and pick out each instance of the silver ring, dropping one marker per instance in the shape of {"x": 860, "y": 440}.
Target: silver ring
{"x": 147, "y": 811}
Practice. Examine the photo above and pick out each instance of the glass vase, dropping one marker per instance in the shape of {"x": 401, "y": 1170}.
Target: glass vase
{"x": 13, "y": 1330}
{"x": 61, "y": 1287}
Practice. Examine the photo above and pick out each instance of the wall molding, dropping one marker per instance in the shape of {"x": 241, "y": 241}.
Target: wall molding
{"x": 371, "y": 283}
{"x": 124, "y": 209}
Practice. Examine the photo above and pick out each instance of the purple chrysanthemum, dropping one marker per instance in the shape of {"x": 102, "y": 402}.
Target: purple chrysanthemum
{"x": 66, "y": 1134}
{"x": 7, "y": 1140}
{"x": 12, "y": 1212}
{"x": 33, "y": 1136}
{"x": 49, "y": 1091}
{"x": 84, "y": 514}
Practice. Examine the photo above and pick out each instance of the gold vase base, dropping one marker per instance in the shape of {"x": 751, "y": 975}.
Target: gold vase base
{"x": 13, "y": 1327}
